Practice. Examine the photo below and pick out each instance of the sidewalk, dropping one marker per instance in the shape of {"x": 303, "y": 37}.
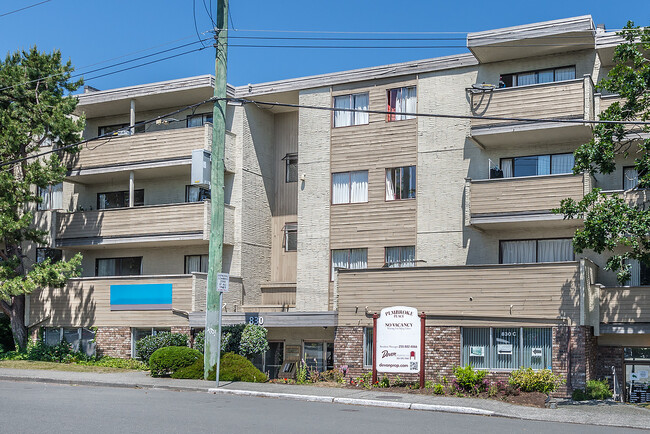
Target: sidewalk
{"x": 608, "y": 414}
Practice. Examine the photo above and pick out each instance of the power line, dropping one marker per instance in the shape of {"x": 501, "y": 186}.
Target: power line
{"x": 341, "y": 32}
{"x": 106, "y": 135}
{"x": 436, "y": 115}
{"x": 26, "y": 7}
{"x": 400, "y": 46}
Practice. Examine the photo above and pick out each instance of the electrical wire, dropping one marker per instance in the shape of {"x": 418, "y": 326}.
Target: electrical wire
{"x": 396, "y": 46}
{"x": 196, "y": 29}
{"x": 340, "y": 32}
{"x": 22, "y": 9}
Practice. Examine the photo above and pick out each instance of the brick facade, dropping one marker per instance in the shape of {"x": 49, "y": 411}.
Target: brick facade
{"x": 608, "y": 358}
{"x": 113, "y": 341}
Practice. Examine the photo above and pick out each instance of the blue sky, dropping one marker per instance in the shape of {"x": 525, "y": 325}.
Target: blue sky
{"x": 89, "y": 32}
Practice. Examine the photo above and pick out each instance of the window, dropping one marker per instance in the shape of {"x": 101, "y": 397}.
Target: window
{"x": 43, "y": 253}
{"x": 630, "y": 178}
{"x": 80, "y": 339}
{"x": 119, "y": 199}
{"x": 118, "y": 266}
{"x": 507, "y": 348}
{"x": 199, "y": 120}
{"x": 51, "y": 197}
{"x": 290, "y": 237}
{"x": 538, "y": 77}
{"x": 402, "y": 100}
{"x": 291, "y": 168}
{"x": 319, "y": 355}
{"x": 400, "y": 183}
{"x": 639, "y": 273}
{"x": 353, "y": 259}
{"x": 536, "y": 165}
{"x": 194, "y": 193}
{"x": 137, "y": 334}
{"x": 531, "y": 251}
{"x": 343, "y": 118}
{"x": 400, "y": 256}
{"x": 196, "y": 264}
{"x": 350, "y": 187}
{"x": 119, "y": 129}
{"x": 367, "y": 347}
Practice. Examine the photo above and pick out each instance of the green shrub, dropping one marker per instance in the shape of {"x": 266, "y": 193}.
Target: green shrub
{"x": 238, "y": 368}
{"x": 253, "y": 340}
{"x": 114, "y": 362}
{"x": 199, "y": 341}
{"x": 598, "y": 389}
{"x": 301, "y": 372}
{"x": 192, "y": 372}
{"x": 469, "y": 380}
{"x": 384, "y": 382}
{"x": 231, "y": 338}
{"x": 146, "y": 346}
{"x": 438, "y": 389}
{"x": 6, "y": 336}
{"x": 333, "y": 375}
{"x": 579, "y": 395}
{"x": 529, "y": 380}
{"x": 167, "y": 360}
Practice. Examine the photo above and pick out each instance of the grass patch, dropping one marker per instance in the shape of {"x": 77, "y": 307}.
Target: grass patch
{"x": 53, "y": 366}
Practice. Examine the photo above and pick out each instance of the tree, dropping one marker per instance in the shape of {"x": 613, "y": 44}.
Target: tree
{"x": 618, "y": 224}
{"x": 35, "y": 115}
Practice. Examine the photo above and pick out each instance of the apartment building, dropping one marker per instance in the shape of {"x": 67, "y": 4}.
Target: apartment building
{"x": 332, "y": 215}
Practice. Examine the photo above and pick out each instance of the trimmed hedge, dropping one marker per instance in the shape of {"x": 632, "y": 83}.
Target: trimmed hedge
{"x": 167, "y": 360}
{"x": 529, "y": 380}
{"x": 233, "y": 368}
{"x": 596, "y": 389}
{"x": 148, "y": 345}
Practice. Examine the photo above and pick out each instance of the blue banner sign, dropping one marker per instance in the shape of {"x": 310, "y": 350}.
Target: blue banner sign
{"x": 148, "y": 296}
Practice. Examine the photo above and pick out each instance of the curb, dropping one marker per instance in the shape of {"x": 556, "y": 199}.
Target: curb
{"x": 356, "y": 401}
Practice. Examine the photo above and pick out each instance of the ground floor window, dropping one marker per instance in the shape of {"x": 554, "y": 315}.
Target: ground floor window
{"x": 507, "y": 348}
{"x": 79, "y": 338}
{"x": 637, "y": 374}
{"x": 139, "y": 333}
{"x": 319, "y": 355}
{"x": 270, "y": 361}
{"x": 367, "y": 347}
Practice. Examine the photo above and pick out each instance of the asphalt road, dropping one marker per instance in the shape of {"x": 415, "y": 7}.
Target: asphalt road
{"x": 35, "y": 408}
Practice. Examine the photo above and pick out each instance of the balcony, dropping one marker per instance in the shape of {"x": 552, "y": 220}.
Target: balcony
{"x": 551, "y": 293}
{"x": 523, "y": 201}
{"x": 167, "y": 223}
{"x": 625, "y": 305}
{"x": 164, "y": 148}
{"x": 571, "y": 99}
{"x": 95, "y": 301}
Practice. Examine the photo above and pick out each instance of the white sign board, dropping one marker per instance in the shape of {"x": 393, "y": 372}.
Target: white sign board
{"x": 398, "y": 340}
{"x": 223, "y": 279}
{"x": 477, "y": 351}
{"x": 504, "y": 349}
{"x": 634, "y": 376}
{"x": 537, "y": 352}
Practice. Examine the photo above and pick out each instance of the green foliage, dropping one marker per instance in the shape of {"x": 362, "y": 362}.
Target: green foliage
{"x": 231, "y": 338}
{"x": 199, "y": 341}
{"x": 35, "y": 112}
{"x": 301, "y": 372}
{"x": 146, "y": 346}
{"x": 364, "y": 380}
{"x": 596, "y": 389}
{"x": 528, "y": 380}
{"x": 333, "y": 375}
{"x": 253, "y": 340}
{"x": 192, "y": 372}
{"x": 114, "y": 362}
{"x": 611, "y": 223}
{"x": 438, "y": 389}
{"x": 384, "y": 382}
{"x": 167, "y": 360}
{"x": 470, "y": 380}
{"x": 6, "y": 337}
{"x": 238, "y": 368}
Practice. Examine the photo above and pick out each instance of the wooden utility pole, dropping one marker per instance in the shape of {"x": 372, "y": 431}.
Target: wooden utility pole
{"x": 214, "y": 298}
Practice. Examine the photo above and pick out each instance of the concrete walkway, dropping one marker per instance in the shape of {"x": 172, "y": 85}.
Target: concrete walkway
{"x": 607, "y": 414}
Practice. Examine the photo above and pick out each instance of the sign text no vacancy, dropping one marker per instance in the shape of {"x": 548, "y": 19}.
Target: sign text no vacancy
{"x": 398, "y": 334}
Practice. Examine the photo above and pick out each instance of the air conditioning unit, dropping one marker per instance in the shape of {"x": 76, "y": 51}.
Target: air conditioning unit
{"x": 201, "y": 166}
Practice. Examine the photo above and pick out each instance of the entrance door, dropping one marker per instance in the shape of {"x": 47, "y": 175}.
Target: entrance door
{"x": 637, "y": 383}
{"x": 270, "y": 362}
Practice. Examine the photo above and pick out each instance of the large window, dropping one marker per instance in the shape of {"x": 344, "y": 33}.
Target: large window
{"x": 194, "y": 193}
{"x": 536, "y": 165}
{"x": 43, "y": 253}
{"x": 119, "y": 129}
{"x": 119, "y": 199}
{"x": 639, "y": 273}
{"x": 400, "y": 183}
{"x": 139, "y": 333}
{"x": 79, "y": 338}
{"x": 350, "y": 187}
{"x": 402, "y": 100}
{"x": 403, "y": 256}
{"x": 630, "y": 178}
{"x": 196, "y": 264}
{"x": 199, "y": 120}
{"x": 507, "y": 348}
{"x": 344, "y": 118}
{"x": 290, "y": 237}
{"x": 130, "y": 266}
{"x": 319, "y": 355}
{"x": 530, "y": 251}
{"x": 52, "y": 197}
{"x": 353, "y": 259}
{"x": 367, "y": 347}
{"x": 537, "y": 77}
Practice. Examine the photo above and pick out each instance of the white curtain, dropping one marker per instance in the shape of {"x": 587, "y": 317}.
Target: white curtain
{"x": 392, "y": 257}
{"x": 555, "y": 250}
{"x": 565, "y": 73}
{"x": 44, "y": 193}
{"x": 545, "y": 76}
{"x": 390, "y": 184}
{"x": 341, "y": 187}
{"x": 360, "y": 103}
{"x": 339, "y": 260}
{"x": 57, "y": 196}
{"x": 630, "y": 178}
{"x": 405, "y": 100}
{"x": 518, "y": 252}
{"x": 359, "y": 187}
{"x": 106, "y": 267}
{"x": 526, "y": 78}
{"x": 544, "y": 165}
{"x": 193, "y": 264}
{"x": 408, "y": 256}
{"x": 411, "y": 102}
{"x": 342, "y": 118}
{"x": 562, "y": 163}
{"x": 358, "y": 259}
{"x": 506, "y": 167}
{"x": 635, "y": 272}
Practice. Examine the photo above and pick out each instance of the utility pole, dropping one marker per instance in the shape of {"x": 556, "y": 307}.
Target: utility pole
{"x": 212, "y": 348}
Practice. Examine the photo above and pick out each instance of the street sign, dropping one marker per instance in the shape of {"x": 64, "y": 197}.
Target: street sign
{"x": 223, "y": 280}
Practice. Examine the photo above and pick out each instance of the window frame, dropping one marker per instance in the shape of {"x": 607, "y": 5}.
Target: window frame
{"x": 289, "y": 227}
{"x": 514, "y": 75}
{"x": 126, "y": 127}
{"x": 59, "y": 254}
{"x": 116, "y": 258}
{"x": 349, "y": 173}
{"x": 204, "y": 193}
{"x": 325, "y": 344}
{"x": 351, "y": 113}
{"x": 124, "y": 198}
{"x": 349, "y": 250}
{"x": 288, "y": 160}
{"x": 201, "y": 255}
{"x": 154, "y": 331}
{"x": 368, "y": 348}
{"x": 415, "y": 175}
{"x": 51, "y": 190}
{"x": 401, "y": 261}
{"x": 537, "y": 240}
{"x": 536, "y": 155}
{"x": 391, "y": 117}
{"x": 204, "y": 119}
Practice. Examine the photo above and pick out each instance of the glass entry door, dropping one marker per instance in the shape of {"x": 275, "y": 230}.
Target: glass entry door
{"x": 270, "y": 362}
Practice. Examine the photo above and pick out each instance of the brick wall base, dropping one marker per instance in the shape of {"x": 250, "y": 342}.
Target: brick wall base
{"x": 113, "y": 341}
{"x": 608, "y": 358}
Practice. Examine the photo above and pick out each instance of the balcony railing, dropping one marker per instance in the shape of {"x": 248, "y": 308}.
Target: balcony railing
{"x": 625, "y": 305}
